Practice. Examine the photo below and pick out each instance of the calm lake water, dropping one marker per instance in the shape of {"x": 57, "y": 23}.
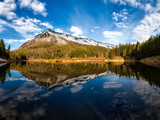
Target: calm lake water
{"x": 81, "y": 91}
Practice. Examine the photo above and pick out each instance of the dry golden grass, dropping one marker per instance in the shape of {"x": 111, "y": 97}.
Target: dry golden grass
{"x": 152, "y": 61}
{"x": 76, "y": 60}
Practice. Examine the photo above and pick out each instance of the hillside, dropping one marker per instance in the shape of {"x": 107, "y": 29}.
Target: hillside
{"x": 48, "y": 50}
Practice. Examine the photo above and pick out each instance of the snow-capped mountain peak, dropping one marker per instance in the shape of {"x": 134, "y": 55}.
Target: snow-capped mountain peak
{"x": 63, "y": 38}
{"x": 80, "y": 40}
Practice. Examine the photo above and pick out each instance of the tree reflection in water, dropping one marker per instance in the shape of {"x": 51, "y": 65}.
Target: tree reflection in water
{"x": 47, "y": 74}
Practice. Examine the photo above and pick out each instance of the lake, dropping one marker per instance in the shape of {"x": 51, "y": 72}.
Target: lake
{"x": 79, "y": 91}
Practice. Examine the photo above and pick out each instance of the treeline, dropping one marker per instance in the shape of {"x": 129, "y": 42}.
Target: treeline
{"x": 149, "y": 48}
{"x": 4, "y": 53}
{"x": 50, "y": 51}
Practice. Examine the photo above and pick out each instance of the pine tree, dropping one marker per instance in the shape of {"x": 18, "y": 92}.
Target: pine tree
{"x": 2, "y": 45}
{"x": 2, "y": 48}
{"x": 137, "y": 49}
{"x": 8, "y": 51}
{"x": 124, "y": 53}
{"x": 110, "y": 55}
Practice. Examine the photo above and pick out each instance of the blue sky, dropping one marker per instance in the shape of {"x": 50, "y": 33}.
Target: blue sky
{"x": 112, "y": 21}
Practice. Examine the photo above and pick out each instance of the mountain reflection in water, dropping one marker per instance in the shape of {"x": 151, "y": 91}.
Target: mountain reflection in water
{"x": 53, "y": 75}
{"x": 81, "y": 91}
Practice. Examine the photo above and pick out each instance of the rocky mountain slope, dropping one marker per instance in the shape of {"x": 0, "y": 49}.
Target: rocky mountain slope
{"x": 63, "y": 39}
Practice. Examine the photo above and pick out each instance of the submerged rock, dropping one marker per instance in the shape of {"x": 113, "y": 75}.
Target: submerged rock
{"x": 120, "y": 104}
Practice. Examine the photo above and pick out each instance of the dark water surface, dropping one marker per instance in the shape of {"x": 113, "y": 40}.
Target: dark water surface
{"x": 81, "y": 91}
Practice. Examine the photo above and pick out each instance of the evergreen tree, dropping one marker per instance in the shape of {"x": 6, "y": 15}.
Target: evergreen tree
{"x": 8, "y": 51}
{"x": 124, "y": 53}
{"x": 110, "y": 55}
{"x": 2, "y": 45}
{"x": 2, "y": 49}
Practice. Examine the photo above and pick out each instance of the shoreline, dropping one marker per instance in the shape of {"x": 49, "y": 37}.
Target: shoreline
{"x": 153, "y": 61}
{"x": 75, "y": 60}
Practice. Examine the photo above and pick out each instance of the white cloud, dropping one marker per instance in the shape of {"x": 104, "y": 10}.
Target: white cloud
{"x": 76, "y": 30}
{"x": 92, "y": 30}
{"x": 148, "y": 7}
{"x": 59, "y": 30}
{"x": 37, "y": 6}
{"x": 46, "y": 24}
{"x": 83, "y": 36}
{"x": 112, "y": 36}
{"x": 6, "y": 9}
{"x": 150, "y": 25}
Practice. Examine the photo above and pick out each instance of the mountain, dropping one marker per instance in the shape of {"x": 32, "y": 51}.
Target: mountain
{"x": 52, "y": 45}
{"x": 63, "y": 38}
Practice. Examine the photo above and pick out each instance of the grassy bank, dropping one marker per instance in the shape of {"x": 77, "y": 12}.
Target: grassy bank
{"x": 75, "y": 60}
